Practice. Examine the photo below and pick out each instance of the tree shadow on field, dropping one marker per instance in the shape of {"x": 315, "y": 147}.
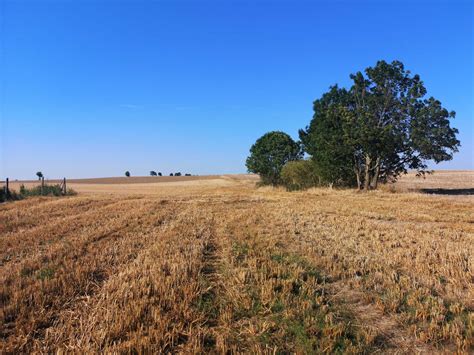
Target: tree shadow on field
{"x": 449, "y": 191}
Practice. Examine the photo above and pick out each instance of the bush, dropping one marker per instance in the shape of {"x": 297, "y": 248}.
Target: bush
{"x": 48, "y": 190}
{"x": 299, "y": 175}
{"x": 10, "y": 197}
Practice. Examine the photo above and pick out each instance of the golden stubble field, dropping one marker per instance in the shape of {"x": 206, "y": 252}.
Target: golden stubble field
{"x": 218, "y": 265}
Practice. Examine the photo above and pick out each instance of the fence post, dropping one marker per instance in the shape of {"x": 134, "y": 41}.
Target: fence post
{"x": 6, "y": 189}
{"x": 64, "y": 186}
{"x": 42, "y": 185}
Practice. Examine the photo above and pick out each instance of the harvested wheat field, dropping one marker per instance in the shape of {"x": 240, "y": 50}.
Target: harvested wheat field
{"x": 218, "y": 265}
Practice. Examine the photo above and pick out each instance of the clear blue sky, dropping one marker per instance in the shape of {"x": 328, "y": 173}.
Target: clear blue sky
{"x": 94, "y": 88}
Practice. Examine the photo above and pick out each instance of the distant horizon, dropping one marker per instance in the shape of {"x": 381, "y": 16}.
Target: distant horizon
{"x": 46, "y": 178}
{"x": 88, "y": 88}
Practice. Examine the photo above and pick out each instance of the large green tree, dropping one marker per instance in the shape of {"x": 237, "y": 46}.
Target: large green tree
{"x": 270, "y": 153}
{"x": 324, "y": 139}
{"x": 384, "y": 125}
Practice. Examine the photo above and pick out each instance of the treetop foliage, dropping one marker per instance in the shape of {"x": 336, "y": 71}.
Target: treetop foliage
{"x": 270, "y": 153}
{"x": 379, "y": 128}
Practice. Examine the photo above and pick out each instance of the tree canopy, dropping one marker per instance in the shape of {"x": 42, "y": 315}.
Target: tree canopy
{"x": 270, "y": 153}
{"x": 324, "y": 138}
{"x": 379, "y": 128}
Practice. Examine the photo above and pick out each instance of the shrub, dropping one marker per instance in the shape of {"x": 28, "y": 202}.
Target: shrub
{"x": 127, "y": 173}
{"x": 12, "y": 195}
{"x": 47, "y": 190}
{"x": 299, "y": 175}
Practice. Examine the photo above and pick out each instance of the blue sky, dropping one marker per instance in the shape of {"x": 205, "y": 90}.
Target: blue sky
{"x": 94, "y": 88}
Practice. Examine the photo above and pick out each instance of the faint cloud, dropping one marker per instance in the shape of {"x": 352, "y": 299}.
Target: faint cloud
{"x": 131, "y": 106}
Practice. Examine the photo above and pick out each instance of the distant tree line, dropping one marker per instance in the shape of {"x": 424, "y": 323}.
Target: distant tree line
{"x": 154, "y": 173}
{"x": 371, "y": 133}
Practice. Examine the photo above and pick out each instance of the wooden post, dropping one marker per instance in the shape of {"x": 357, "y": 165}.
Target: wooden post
{"x": 5, "y": 189}
{"x": 64, "y": 186}
{"x": 42, "y": 185}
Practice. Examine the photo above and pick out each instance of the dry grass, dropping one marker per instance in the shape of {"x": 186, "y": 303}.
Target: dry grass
{"x": 220, "y": 266}
{"x": 446, "y": 182}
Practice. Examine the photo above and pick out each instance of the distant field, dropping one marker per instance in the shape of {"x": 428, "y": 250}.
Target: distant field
{"x": 131, "y": 180}
{"x": 447, "y": 182}
{"x": 441, "y": 181}
{"x": 145, "y": 184}
{"x": 214, "y": 264}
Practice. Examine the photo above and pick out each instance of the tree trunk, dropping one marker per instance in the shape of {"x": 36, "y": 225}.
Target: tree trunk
{"x": 358, "y": 179}
{"x": 357, "y": 174}
{"x": 368, "y": 161}
{"x": 375, "y": 178}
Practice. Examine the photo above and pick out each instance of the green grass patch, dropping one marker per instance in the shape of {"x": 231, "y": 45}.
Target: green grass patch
{"x": 46, "y": 190}
{"x": 45, "y": 274}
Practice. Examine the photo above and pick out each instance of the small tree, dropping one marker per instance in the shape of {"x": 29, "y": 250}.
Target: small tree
{"x": 171, "y": 174}
{"x": 127, "y": 173}
{"x": 270, "y": 153}
{"x": 153, "y": 173}
{"x": 177, "y": 174}
{"x": 159, "y": 174}
{"x": 39, "y": 174}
